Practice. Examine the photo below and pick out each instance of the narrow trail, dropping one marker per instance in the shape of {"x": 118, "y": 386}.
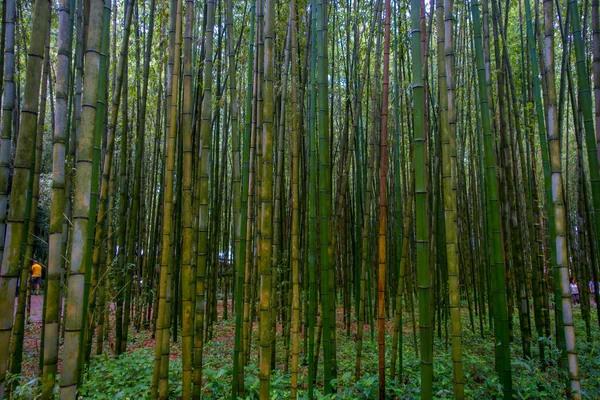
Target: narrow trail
{"x": 37, "y": 308}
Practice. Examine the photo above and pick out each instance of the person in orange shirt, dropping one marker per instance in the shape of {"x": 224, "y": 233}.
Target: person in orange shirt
{"x": 36, "y": 276}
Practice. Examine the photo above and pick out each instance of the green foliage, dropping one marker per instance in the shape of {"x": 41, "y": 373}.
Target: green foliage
{"x": 128, "y": 376}
{"x": 25, "y": 388}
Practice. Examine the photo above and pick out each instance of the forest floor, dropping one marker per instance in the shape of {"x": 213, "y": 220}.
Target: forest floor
{"x": 129, "y": 376}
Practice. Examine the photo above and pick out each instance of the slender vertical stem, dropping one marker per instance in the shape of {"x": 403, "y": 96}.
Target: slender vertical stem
{"x": 493, "y": 217}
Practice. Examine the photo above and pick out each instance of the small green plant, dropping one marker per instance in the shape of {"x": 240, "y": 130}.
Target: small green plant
{"x": 23, "y": 388}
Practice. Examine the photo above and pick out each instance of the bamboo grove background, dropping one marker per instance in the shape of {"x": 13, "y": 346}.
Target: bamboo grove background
{"x": 307, "y": 168}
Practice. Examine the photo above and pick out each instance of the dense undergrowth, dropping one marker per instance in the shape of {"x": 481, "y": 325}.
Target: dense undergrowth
{"x": 129, "y": 376}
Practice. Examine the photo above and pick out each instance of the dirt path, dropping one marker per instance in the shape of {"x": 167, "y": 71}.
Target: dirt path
{"x": 37, "y": 308}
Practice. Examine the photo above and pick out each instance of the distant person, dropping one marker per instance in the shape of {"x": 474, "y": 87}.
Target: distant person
{"x": 36, "y": 277}
{"x": 592, "y": 287}
{"x": 574, "y": 292}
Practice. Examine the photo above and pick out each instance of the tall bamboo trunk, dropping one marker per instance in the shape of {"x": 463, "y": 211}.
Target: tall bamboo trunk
{"x": 558, "y": 196}
{"x": 449, "y": 183}
{"x": 501, "y": 332}
{"x": 422, "y": 228}
{"x": 203, "y": 217}
{"x": 188, "y": 290}
{"x": 312, "y": 207}
{"x": 241, "y": 246}
{"x": 265, "y": 250}
{"x": 237, "y": 203}
{"x": 161, "y": 361}
{"x": 123, "y": 207}
{"x": 18, "y": 334}
{"x": 75, "y": 312}
{"x": 57, "y": 205}
{"x": 327, "y": 296}
{"x": 382, "y": 246}
{"x": 295, "y": 223}
{"x": 15, "y": 227}
{"x": 8, "y": 103}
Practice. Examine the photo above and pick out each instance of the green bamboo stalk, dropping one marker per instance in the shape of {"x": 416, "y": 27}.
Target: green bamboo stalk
{"x": 31, "y": 206}
{"x": 187, "y": 291}
{"x": 249, "y": 260}
{"x": 493, "y": 216}
{"x": 24, "y": 156}
{"x": 123, "y": 207}
{"x": 382, "y": 246}
{"x": 449, "y": 182}
{"x": 312, "y": 206}
{"x": 237, "y": 206}
{"x": 240, "y": 248}
{"x": 279, "y": 240}
{"x": 91, "y": 273}
{"x": 106, "y": 261}
{"x": 585, "y": 103}
{"x": 2, "y": 46}
{"x": 278, "y": 282}
{"x": 23, "y": 162}
{"x": 75, "y": 312}
{"x": 161, "y": 363}
{"x": 596, "y": 65}
{"x": 57, "y": 204}
{"x": 74, "y": 133}
{"x": 8, "y": 103}
{"x": 295, "y": 228}
{"x": 401, "y": 224}
{"x": 265, "y": 250}
{"x": 327, "y": 298}
{"x": 422, "y": 229}
{"x": 203, "y": 177}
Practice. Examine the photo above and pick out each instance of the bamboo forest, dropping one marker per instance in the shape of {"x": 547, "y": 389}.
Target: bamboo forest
{"x": 299, "y": 199}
